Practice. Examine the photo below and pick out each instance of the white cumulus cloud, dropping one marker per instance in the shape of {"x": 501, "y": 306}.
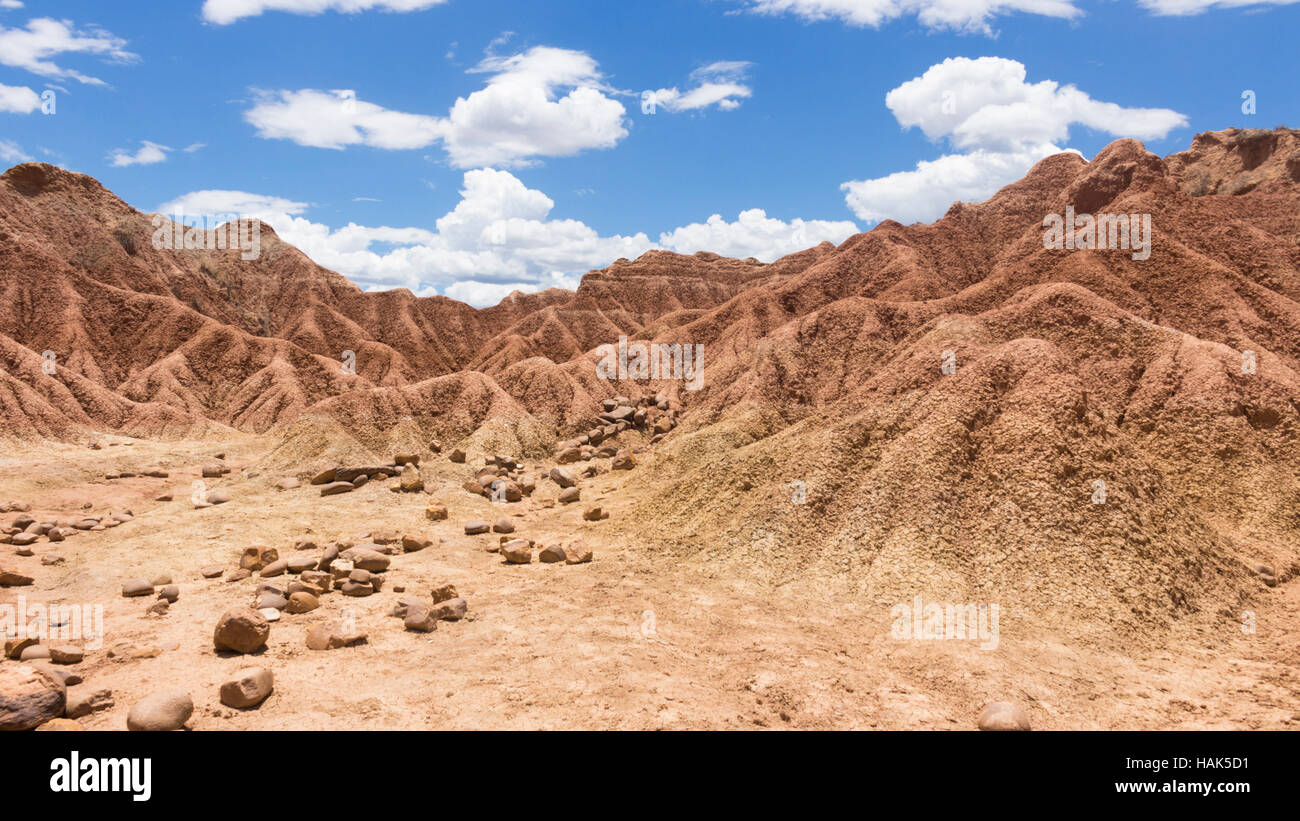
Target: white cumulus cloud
{"x": 962, "y": 15}
{"x": 1185, "y": 8}
{"x": 755, "y": 234}
{"x": 18, "y": 99}
{"x": 721, "y": 84}
{"x": 33, "y": 47}
{"x": 148, "y": 154}
{"x": 500, "y": 237}
{"x": 1000, "y": 124}
{"x": 336, "y": 119}
{"x": 544, "y": 102}
{"x": 223, "y": 12}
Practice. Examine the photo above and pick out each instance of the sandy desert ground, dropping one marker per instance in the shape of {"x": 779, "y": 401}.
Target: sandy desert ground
{"x": 626, "y": 641}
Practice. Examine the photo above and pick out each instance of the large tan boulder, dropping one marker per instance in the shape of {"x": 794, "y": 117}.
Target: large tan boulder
{"x": 29, "y": 696}
{"x": 241, "y": 630}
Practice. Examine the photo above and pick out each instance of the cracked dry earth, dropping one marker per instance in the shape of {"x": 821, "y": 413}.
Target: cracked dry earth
{"x": 631, "y": 640}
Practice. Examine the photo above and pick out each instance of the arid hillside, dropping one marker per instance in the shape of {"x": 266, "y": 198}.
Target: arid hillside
{"x": 1107, "y": 436}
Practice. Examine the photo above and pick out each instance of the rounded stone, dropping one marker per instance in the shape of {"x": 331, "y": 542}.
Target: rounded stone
{"x": 161, "y": 712}
{"x": 1003, "y": 715}
{"x": 242, "y": 630}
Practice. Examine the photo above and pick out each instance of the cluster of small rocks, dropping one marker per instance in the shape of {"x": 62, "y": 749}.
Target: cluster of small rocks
{"x": 649, "y": 415}
{"x": 420, "y": 616}
{"x": 42, "y": 691}
{"x": 25, "y": 530}
{"x": 520, "y": 551}
{"x": 337, "y": 479}
{"x": 167, "y": 593}
{"x": 501, "y": 479}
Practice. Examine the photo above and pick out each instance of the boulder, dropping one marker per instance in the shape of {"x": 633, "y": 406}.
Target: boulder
{"x": 366, "y": 559}
{"x": 435, "y": 512}
{"x": 331, "y": 635}
{"x": 301, "y": 602}
{"x": 356, "y": 589}
{"x": 563, "y": 477}
{"x": 575, "y": 552}
{"x": 66, "y": 654}
{"x": 15, "y": 645}
{"x": 473, "y": 528}
{"x": 82, "y": 701}
{"x": 335, "y": 488}
{"x": 163, "y": 711}
{"x": 551, "y": 554}
{"x": 270, "y": 600}
{"x": 450, "y": 610}
{"x": 420, "y": 618}
{"x": 517, "y": 551}
{"x": 569, "y": 495}
{"x": 1003, "y": 715}
{"x": 317, "y": 578}
{"x": 301, "y": 564}
{"x": 241, "y": 630}
{"x": 29, "y": 696}
{"x": 413, "y": 542}
{"x": 37, "y": 652}
{"x": 247, "y": 688}
{"x": 251, "y": 559}
{"x": 136, "y": 587}
{"x": 411, "y": 481}
{"x": 12, "y": 578}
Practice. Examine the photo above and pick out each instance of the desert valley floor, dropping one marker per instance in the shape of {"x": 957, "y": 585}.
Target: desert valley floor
{"x": 571, "y": 646}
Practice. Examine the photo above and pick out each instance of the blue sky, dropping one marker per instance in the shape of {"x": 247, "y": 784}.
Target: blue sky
{"x": 471, "y": 147}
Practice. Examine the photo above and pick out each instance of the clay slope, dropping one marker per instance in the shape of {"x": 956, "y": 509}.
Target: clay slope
{"x": 253, "y": 342}
{"x": 1073, "y": 367}
{"x": 1168, "y": 384}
